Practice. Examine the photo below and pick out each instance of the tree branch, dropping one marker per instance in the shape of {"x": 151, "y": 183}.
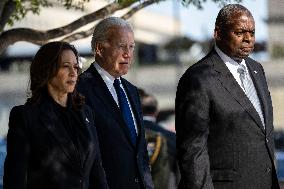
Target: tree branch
{"x": 87, "y": 33}
{"x": 137, "y": 8}
{"x": 39, "y": 37}
{"x": 7, "y": 8}
{"x": 2, "y": 5}
{"x": 79, "y": 35}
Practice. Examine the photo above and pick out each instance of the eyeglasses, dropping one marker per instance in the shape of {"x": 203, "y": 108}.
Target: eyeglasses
{"x": 126, "y": 47}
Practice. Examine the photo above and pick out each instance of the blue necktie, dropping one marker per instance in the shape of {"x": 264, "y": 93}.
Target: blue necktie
{"x": 125, "y": 110}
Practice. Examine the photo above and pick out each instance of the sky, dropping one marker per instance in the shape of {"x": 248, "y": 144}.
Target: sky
{"x": 199, "y": 24}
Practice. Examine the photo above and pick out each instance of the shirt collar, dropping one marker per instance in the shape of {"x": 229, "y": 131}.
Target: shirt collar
{"x": 227, "y": 60}
{"x": 108, "y": 79}
{"x": 225, "y": 57}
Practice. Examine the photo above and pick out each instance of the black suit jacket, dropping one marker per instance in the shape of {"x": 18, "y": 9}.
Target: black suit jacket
{"x": 40, "y": 153}
{"x": 221, "y": 142}
{"x": 126, "y": 165}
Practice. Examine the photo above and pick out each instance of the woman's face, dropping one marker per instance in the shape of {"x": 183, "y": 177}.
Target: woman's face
{"x": 65, "y": 80}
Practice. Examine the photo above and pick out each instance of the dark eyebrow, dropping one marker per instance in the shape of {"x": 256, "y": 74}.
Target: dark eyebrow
{"x": 244, "y": 30}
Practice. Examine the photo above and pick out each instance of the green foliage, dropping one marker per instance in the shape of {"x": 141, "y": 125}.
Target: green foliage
{"x": 23, "y": 7}
{"x": 199, "y": 3}
{"x": 125, "y": 2}
{"x": 74, "y": 4}
{"x": 34, "y": 6}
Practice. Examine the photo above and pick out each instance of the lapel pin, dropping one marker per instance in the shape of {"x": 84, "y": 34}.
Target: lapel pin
{"x": 87, "y": 120}
{"x": 255, "y": 71}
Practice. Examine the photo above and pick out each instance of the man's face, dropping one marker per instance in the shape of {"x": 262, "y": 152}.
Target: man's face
{"x": 116, "y": 54}
{"x": 237, "y": 39}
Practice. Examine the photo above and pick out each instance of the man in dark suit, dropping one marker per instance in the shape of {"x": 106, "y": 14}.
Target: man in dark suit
{"x": 224, "y": 120}
{"x": 117, "y": 106}
{"x": 150, "y": 112}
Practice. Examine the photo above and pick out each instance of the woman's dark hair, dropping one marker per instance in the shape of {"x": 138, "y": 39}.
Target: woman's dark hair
{"x": 45, "y": 66}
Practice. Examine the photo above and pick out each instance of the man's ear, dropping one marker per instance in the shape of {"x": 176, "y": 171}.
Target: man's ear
{"x": 99, "y": 49}
{"x": 217, "y": 33}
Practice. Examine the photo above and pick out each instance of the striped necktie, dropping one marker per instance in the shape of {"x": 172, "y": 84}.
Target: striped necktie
{"x": 249, "y": 90}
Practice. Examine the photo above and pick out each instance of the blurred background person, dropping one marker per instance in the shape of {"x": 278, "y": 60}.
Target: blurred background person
{"x": 158, "y": 158}
{"x": 150, "y": 112}
{"x": 52, "y": 141}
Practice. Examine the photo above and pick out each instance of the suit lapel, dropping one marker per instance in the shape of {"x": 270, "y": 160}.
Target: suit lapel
{"x": 51, "y": 122}
{"x": 88, "y": 126}
{"x": 231, "y": 85}
{"x": 258, "y": 80}
{"x": 101, "y": 91}
{"x": 104, "y": 94}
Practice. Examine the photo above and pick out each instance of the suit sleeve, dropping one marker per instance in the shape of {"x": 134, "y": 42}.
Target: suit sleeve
{"x": 97, "y": 176}
{"x": 192, "y": 129}
{"x": 270, "y": 114}
{"x": 18, "y": 151}
{"x": 147, "y": 170}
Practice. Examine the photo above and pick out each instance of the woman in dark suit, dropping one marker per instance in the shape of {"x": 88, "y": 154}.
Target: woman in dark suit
{"x": 52, "y": 141}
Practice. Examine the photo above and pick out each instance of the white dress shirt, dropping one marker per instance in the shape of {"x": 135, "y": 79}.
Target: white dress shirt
{"x": 232, "y": 65}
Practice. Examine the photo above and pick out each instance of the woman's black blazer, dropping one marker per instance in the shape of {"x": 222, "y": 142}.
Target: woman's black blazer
{"x": 41, "y": 155}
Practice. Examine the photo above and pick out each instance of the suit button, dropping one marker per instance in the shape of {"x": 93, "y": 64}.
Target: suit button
{"x": 268, "y": 169}
{"x": 136, "y": 180}
{"x": 80, "y": 180}
{"x": 267, "y": 140}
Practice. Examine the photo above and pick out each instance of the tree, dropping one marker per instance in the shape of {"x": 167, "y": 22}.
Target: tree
{"x": 14, "y": 10}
